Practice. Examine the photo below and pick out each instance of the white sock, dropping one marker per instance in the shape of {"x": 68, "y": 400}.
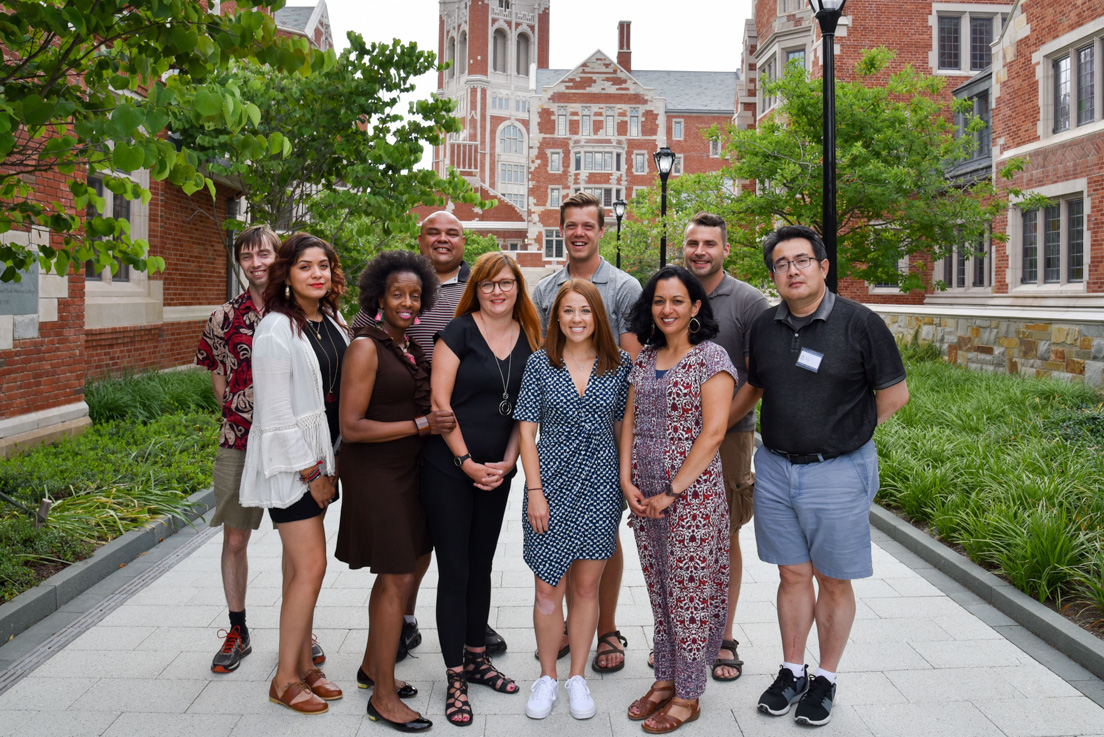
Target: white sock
{"x": 409, "y": 619}
{"x": 826, "y": 674}
{"x": 796, "y": 668}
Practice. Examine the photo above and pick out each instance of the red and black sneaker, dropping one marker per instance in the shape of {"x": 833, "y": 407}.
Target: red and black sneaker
{"x": 234, "y": 648}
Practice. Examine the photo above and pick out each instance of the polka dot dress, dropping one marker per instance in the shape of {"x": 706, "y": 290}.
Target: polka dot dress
{"x": 578, "y": 463}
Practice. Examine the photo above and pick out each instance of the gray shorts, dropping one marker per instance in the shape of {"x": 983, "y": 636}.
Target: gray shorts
{"x": 817, "y": 512}
{"x": 227, "y": 479}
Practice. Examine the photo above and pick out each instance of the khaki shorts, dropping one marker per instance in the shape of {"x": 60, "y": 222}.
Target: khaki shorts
{"x": 736, "y": 451}
{"x": 227, "y": 478}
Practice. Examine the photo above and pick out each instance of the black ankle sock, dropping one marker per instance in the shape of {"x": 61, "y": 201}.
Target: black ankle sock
{"x": 237, "y": 619}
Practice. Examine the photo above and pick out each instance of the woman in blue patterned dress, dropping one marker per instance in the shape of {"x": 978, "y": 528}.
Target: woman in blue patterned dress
{"x": 679, "y": 396}
{"x": 574, "y": 390}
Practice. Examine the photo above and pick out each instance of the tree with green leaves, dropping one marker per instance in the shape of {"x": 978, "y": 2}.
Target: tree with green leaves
{"x": 348, "y": 172}
{"x": 896, "y": 140}
{"x": 92, "y": 87}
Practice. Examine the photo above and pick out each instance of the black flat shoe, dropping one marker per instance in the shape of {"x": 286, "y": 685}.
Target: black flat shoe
{"x": 495, "y": 643}
{"x": 406, "y": 691}
{"x": 411, "y": 636}
{"x": 420, "y": 724}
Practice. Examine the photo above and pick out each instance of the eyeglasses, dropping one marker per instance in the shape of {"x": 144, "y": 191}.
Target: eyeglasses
{"x": 506, "y": 285}
{"x": 781, "y": 266}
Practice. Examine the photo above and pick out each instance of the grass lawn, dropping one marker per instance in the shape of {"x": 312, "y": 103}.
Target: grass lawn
{"x": 151, "y": 445}
{"x": 1009, "y": 469}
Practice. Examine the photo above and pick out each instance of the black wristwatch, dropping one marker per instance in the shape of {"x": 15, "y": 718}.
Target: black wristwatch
{"x": 669, "y": 491}
{"x": 459, "y": 460}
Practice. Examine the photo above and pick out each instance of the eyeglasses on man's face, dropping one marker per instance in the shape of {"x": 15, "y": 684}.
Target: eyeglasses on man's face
{"x": 781, "y": 266}
{"x": 506, "y": 285}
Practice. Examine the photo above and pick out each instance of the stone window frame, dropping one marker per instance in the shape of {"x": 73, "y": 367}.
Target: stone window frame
{"x": 678, "y": 129}
{"x": 562, "y": 127}
{"x": 1060, "y": 194}
{"x": 609, "y": 123}
{"x": 964, "y": 12}
{"x": 878, "y": 288}
{"x": 966, "y": 272}
{"x": 634, "y": 122}
{"x": 715, "y": 148}
{"x": 555, "y": 196}
{"x": 586, "y": 121}
{"x": 555, "y": 161}
{"x": 1069, "y": 46}
{"x": 639, "y": 156}
{"x": 553, "y": 244}
{"x": 518, "y": 38}
{"x": 499, "y": 65}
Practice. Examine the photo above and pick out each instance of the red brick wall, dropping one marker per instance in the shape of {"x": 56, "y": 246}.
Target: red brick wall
{"x": 115, "y": 351}
{"x": 187, "y": 233}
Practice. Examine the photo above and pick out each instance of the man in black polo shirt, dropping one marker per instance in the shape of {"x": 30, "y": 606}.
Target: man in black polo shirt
{"x": 828, "y": 371}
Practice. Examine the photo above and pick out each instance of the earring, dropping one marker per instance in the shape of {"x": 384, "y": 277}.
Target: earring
{"x": 417, "y": 321}
{"x": 287, "y": 291}
{"x": 379, "y": 316}
{"x": 692, "y": 328}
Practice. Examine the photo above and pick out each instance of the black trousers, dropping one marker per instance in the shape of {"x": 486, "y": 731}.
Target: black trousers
{"x": 464, "y": 523}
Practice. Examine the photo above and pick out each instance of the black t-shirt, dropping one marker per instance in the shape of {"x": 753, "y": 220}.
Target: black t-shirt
{"x": 477, "y": 393}
{"x": 329, "y": 350}
{"x": 819, "y": 380}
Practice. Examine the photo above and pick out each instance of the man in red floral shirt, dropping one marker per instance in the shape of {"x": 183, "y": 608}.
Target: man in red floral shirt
{"x": 225, "y": 350}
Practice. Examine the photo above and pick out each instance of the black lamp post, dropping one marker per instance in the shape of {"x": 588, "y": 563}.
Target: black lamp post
{"x": 664, "y": 160}
{"x": 619, "y": 212}
{"x": 828, "y": 13}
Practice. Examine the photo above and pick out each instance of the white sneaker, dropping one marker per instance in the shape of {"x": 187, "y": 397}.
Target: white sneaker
{"x": 541, "y": 698}
{"x": 579, "y": 699}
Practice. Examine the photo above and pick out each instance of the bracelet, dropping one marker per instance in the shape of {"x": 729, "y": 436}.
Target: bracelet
{"x": 667, "y": 490}
{"x": 421, "y": 424}
{"x": 314, "y": 474}
{"x": 533, "y": 488}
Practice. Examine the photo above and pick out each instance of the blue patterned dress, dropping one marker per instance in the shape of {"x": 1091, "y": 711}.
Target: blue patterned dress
{"x": 578, "y": 463}
{"x": 684, "y": 555}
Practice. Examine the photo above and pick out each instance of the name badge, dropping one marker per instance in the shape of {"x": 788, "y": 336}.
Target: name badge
{"x": 810, "y": 360}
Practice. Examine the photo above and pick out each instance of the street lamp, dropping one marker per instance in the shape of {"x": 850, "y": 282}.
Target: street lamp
{"x": 664, "y": 160}
{"x": 827, "y": 13}
{"x": 619, "y": 212}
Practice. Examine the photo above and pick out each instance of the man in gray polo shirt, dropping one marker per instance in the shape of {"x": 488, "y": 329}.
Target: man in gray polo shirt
{"x": 583, "y": 222}
{"x": 735, "y": 305}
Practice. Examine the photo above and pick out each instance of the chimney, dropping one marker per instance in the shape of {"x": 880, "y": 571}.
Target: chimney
{"x": 624, "y": 47}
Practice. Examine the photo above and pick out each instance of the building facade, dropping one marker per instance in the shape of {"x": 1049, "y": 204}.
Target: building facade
{"x": 533, "y": 136}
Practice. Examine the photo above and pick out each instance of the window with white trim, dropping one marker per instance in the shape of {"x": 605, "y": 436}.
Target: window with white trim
{"x": 634, "y": 122}
{"x": 1072, "y": 78}
{"x": 561, "y": 121}
{"x": 640, "y": 162}
{"x": 677, "y": 168}
{"x": 766, "y": 75}
{"x": 555, "y": 161}
{"x": 715, "y": 148}
{"x": 553, "y": 196}
{"x": 796, "y": 56}
{"x": 970, "y": 266}
{"x": 511, "y": 140}
{"x": 606, "y": 195}
{"x": 597, "y": 161}
{"x": 498, "y": 51}
{"x": 585, "y": 127}
{"x": 963, "y": 37}
{"x": 522, "y": 55}
{"x": 553, "y": 243}
{"x": 610, "y": 126}
{"x": 1052, "y": 243}
{"x": 676, "y": 129}
{"x": 116, "y": 207}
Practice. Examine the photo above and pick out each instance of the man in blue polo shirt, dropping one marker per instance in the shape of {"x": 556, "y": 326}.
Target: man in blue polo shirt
{"x": 828, "y": 372}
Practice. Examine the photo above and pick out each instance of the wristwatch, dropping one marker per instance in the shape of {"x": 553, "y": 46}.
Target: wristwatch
{"x": 459, "y": 460}
{"x": 667, "y": 490}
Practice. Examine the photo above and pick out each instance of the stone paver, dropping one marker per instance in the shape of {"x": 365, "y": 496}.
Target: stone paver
{"x": 926, "y": 657}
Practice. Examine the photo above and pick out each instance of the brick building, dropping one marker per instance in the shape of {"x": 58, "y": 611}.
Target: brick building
{"x": 58, "y": 331}
{"x": 1030, "y": 299}
{"x": 533, "y": 135}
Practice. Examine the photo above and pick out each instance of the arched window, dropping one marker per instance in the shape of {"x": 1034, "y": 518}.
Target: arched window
{"x": 463, "y": 52}
{"x": 522, "y": 55}
{"x": 451, "y": 57}
{"x": 498, "y": 51}
{"x": 510, "y": 140}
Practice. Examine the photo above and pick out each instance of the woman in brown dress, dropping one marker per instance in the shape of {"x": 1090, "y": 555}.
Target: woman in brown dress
{"x": 385, "y": 413}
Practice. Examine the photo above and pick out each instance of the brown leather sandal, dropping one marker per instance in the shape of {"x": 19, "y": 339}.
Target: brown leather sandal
{"x": 646, "y": 706}
{"x": 612, "y": 641}
{"x": 733, "y": 662}
{"x": 663, "y": 722}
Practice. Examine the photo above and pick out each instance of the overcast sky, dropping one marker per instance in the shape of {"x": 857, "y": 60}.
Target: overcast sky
{"x": 697, "y": 35}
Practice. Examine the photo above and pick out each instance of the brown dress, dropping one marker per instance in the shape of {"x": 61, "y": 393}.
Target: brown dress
{"x": 383, "y": 525}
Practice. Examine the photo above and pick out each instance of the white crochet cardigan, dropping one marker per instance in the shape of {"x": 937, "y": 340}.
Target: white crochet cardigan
{"x": 289, "y": 430}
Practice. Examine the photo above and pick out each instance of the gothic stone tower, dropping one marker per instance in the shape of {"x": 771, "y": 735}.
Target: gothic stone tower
{"x": 494, "y": 46}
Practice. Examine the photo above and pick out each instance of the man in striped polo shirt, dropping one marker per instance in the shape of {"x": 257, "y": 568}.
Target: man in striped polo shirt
{"x": 441, "y": 240}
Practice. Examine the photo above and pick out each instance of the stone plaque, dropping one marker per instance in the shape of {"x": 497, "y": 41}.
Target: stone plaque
{"x": 20, "y": 298}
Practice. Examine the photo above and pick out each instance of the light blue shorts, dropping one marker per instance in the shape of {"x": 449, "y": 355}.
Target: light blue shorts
{"x": 817, "y": 512}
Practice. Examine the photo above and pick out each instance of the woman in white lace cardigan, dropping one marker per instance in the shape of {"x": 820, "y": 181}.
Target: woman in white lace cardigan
{"x": 290, "y": 464}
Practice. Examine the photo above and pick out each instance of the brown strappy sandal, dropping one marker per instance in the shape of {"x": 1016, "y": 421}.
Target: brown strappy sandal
{"x": 646, "y": 706}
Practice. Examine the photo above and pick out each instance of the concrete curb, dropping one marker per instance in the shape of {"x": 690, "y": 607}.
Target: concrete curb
{"x": 36, "y": 604}
{"x": 1049, "y": 626}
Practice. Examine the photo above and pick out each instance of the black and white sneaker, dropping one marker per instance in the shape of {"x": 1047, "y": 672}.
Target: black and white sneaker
{"x": 411, "y": 636}
{"x": 782, "y": 694}
{"x": 815, "y": 707}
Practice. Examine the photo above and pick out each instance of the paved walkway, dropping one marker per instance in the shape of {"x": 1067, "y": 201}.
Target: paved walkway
{"x": 926, "y": 657}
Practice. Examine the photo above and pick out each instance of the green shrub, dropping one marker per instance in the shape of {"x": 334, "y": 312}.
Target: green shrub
{"x": 23, "y": 547}
{"x": 147, "y": 396}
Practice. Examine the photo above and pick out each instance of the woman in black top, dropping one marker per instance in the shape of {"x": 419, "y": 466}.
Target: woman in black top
{"x": 477, "y": 368}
